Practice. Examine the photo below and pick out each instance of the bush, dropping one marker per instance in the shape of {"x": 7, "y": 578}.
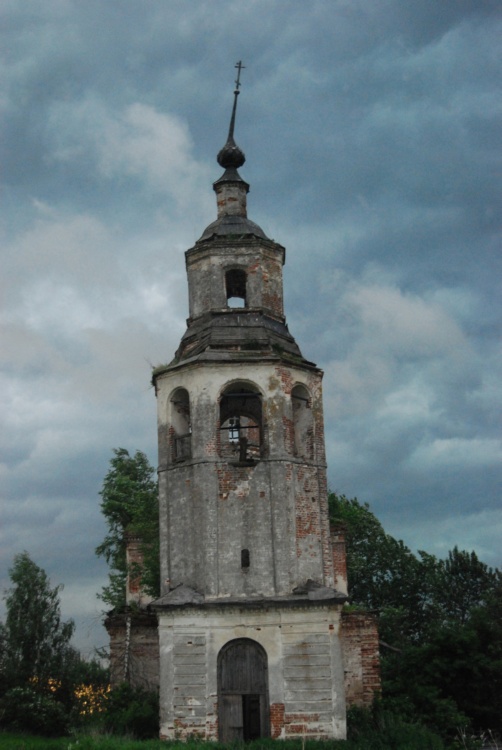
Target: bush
{"x": 26, "y": 709}
{"x": 380, "y": 729}
{"x": 132, "y": 711}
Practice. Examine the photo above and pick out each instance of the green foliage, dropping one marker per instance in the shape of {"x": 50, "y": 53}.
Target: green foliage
{"x": 404, "y": 737}
{"x": 383, "y": 573}
{"x": 381, "y": 729}
{"x": 455, "y": 677}
{"x": 83, "y": 691}
{"x": 132, "y": 711}
{"x": 40, "y": 671}
{"x": 440, "y": 624}
{"x": 30, "y": 710}
{"x": 34, "y": 642}
{"x": 17, "y": 741}
{"x": 130, "y": 505}
{"x": 463, "y": 584}
{"x": 92, "y": 741}
{"x": 90, "y": 673}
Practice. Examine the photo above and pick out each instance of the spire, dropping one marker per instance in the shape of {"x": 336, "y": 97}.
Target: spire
{"x": 231, "y": 190}
{"x": 230, "y": 156}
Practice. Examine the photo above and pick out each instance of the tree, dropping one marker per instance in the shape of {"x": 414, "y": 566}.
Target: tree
{"x": 440, "y": 617}
{"x": 464, "y": 584}
{"x": 34, "y": 640}
{"x": 383, "y": 574}
{"x": 130, "y": 506}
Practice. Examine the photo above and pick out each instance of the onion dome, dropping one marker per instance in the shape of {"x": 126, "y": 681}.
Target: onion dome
{"x": 231, "y": 156}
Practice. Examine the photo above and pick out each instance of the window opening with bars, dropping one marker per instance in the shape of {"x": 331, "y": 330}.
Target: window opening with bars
{"x": 241, "y": 424}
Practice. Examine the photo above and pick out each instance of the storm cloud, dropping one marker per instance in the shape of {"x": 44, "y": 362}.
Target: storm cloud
{"x": 372, "y": 137}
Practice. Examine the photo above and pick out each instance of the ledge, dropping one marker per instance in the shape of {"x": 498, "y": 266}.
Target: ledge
{"x": 285, "y": 602}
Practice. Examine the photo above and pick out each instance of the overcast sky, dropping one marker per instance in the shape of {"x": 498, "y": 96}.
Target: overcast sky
{"x": 372, "y": 135}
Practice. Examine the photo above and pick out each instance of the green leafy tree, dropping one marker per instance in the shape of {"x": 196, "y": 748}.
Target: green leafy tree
{"x": 464, "y": 584}
{"x": 383, "y": 573}
{"x": 130, "y": 506}
{"x": 132, "y": 711}
{"x": 439, "y": 623}
{"x": 34, "y": 640}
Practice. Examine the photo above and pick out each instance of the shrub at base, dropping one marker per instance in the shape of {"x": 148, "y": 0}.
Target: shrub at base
{"x": 27, "y": 710}
{"x": 132, "y": 711}
{"x": 380, "y": 729}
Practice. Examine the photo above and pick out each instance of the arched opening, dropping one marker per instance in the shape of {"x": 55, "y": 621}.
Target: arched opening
{"x": 303, "y": 422}
{"x": 181, "y": 429}
{"x": 235, "y": 284}
{"x": 240, "y": 423}
{"x": 243, "y": 712}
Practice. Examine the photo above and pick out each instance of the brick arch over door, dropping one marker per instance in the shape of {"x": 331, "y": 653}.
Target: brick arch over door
{"x": 243, "y": 710}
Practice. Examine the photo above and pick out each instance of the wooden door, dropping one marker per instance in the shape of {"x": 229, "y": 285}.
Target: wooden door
{"x": 242, "y": 691}
{"x": 231, "y": 717}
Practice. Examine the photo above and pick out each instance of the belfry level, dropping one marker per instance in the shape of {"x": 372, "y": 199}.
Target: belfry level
{"x": 249, "y": 637}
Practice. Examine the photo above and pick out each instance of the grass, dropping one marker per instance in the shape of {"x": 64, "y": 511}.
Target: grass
{"x": 9, "y": 741}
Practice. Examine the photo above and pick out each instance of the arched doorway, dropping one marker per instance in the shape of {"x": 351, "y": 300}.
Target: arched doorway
{"x": 242, "y": 691}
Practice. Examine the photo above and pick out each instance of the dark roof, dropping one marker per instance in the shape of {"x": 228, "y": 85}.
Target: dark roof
{"x": 232, "y": 225}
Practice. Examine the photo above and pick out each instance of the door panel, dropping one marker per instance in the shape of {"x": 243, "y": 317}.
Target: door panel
{"x": 231, "y": 719}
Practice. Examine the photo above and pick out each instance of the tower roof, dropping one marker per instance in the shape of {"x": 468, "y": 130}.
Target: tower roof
{"x": 230, "y": 188}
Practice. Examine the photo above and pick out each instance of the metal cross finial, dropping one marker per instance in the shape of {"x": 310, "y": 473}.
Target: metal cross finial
{"x": 239, "y": 67}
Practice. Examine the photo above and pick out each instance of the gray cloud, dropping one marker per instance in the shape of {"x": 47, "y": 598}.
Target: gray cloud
{"x": 371, "y": 136}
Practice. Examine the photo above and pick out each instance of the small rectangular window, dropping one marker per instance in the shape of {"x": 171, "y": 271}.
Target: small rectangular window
{"x": 244, "y": 558}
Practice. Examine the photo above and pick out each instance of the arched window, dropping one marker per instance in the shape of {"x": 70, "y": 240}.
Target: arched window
{"x": 180, "y": 425}
{"x": 303, "y": 422}
{"x": 235, "y": 286}
{"x": 241, "y": 423}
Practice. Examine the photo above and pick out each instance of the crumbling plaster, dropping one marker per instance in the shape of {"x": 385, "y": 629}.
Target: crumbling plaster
{"x": 305, "y": 668}
{"x": 261, "y": 260}
{"x": 208, "y": 514}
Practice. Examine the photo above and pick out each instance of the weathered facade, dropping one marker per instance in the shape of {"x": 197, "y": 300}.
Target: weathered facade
{"x": 251, "y": 638}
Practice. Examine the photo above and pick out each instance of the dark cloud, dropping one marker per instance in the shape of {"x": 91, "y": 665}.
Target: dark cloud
{"x": 371, "y": 132}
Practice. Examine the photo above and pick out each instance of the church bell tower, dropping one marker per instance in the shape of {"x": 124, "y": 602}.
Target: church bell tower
{"x": 249, "y": 617}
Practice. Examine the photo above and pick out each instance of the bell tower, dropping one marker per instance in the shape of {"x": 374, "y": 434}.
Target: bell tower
{"x": 249, "y": 617}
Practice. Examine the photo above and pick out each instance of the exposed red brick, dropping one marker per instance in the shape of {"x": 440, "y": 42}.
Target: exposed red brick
{"x": 276, "y": 719}
{"x": 287, "y": 382}
{"x": 289, "y": 434}
{"x": 361, "y": 657}
{"x": 337, "y": 533}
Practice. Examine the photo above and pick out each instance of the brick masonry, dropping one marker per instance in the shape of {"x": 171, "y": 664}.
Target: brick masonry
{"x": 134, "y": 649}
{"x": 361, "y": 657}
{"x": 277, "y": 711}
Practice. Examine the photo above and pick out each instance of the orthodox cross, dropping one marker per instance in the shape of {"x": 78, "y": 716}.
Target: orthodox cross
{"x": 239, "y": 67}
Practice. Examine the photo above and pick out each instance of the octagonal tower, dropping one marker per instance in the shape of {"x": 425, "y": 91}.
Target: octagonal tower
{"x": 249, "y": 617}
